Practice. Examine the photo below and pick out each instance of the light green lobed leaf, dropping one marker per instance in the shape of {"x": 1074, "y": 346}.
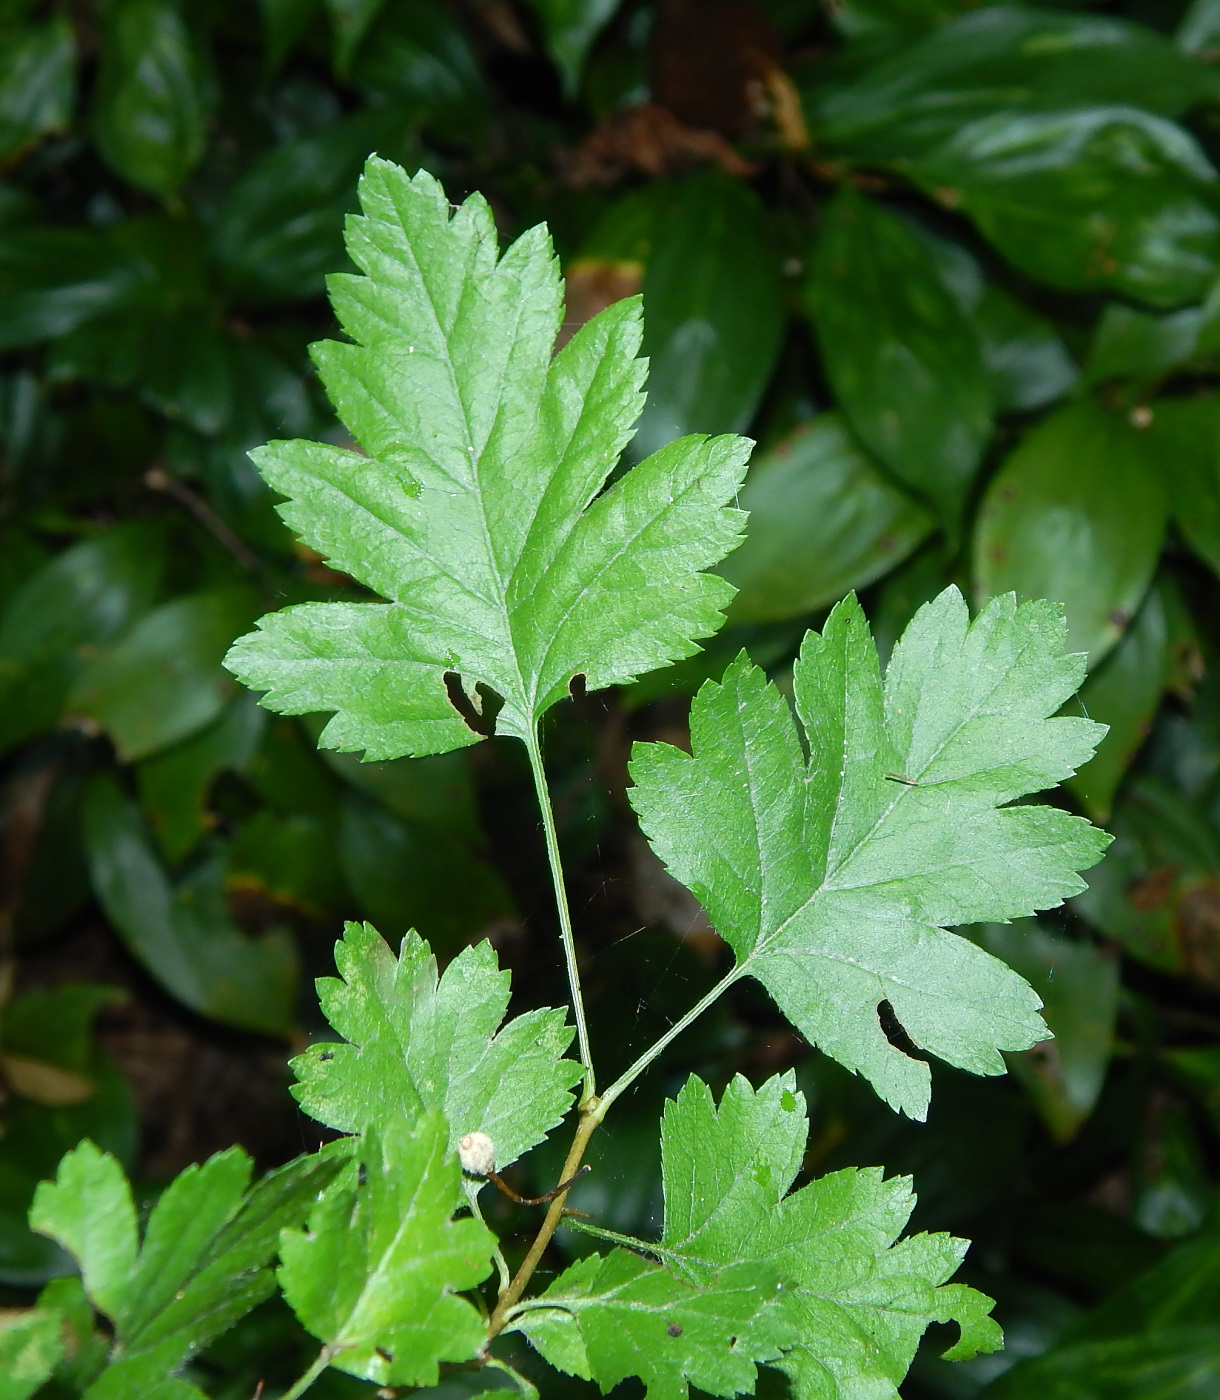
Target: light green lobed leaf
{"x": 375, "y": 1273}
{"x": 476, "y": 511}
{"x": 607, "y": 1319}
{"x": 203, "y": 1263}
{"x": 422, "y": 1042}
{"x": 856, "y": 1303}
{"x": 834, "y": 881}
{"x": 812, "y": 1283}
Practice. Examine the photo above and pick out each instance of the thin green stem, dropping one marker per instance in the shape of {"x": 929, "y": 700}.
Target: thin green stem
{"x": 628, "y": 1077}
{"x": 613, "y": 1237}
{"x": 565, "y": 918}
{"x": 320, "y": 1364}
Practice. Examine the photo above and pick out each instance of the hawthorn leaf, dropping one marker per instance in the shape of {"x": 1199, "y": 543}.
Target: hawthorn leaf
{"x": 476, "y": 512}
{"x": 834, "y": 881}
{"x": 31, "y": 1345}
{"x": 856, "y": 1302}
{"x": 89, "y": 1210}
{"x": 422, "y": 1042}
{"x": 609, "y": 1318}
{"x": 203, "y": 1263}
{"x": 375, "y": 1275}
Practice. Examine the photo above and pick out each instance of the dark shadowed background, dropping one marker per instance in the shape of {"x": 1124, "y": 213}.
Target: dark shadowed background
{"x": 955, "y": 266}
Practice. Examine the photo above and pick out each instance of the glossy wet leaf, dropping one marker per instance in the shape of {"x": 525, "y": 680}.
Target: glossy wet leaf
{"x": 1137, "y": 345}
{"x": 175, "y": 782}
{"x": 713, "y": 301}
{"x": 37, "y": 84}
{"x": 420, "y": 58}
{"x": 162, "y": 681}
{"x": 867, "y": 19}
{"x": 183, "y": 933}
{"x": 571, "y": 26}
{"x": 78, "y": 602}
{"x": 1199, "y": 28}
{"x": 1155, "y": 1337}
{"x": 377, "y": 1272}
{"x": 150, "y": 105}
{"x": 1013, "y": 59}
{"x": 1079, "y": 986}
{"x": 833, "y": 882}
{"x": 1156, "y": 892}
{"x": 1028, "y": 365}
{"x": 279, "y": 230}
{"x": 1123, "y": 694}
{"x": 1076, "y": 514}
{"x": 409, "y": 874}
{"x": 54, "y": 279}
{"x": 417, "y": 1041}
{"x": 1185, "y": 434}
{"x": 1096, "y": 199}
{"x": 527, "y": 445}
{"x": 824, "y": 519}
{"x": 906, "y": 363}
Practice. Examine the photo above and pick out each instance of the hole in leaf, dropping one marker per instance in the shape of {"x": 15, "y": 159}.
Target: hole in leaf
{"x": 891, "y": 1028}
{"x": 578, "y": 686}
{"x": 480, "y": 718}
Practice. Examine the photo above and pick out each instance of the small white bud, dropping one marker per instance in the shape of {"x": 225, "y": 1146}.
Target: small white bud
{"x": 477, "y": 1154}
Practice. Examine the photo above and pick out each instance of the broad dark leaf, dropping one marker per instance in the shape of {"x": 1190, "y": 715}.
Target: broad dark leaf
{"x": 1077, "y": 514}
{"x": 1123, "y": 694}
{"x": 184, "y": 934}
{"x": 1096, "y": 199}
{"x": 150, "y": 103}
{"x": 824, "y": 519}
{"x": 713, "y": 301}
{"x": 1012, "y": 59}
{"x": 37, "y": 84}
{"x": 1079, "y": 986}
{"x": 80, "y": 601}
{"x": 906, "y": 363}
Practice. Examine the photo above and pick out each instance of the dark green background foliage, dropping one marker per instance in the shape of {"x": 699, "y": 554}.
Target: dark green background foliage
{"x": 955, "y": 266}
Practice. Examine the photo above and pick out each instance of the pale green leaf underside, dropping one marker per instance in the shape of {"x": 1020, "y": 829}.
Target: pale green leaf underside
{"x": 815, "y": 1283}
{"x": 476, "y": 512}
{"x": 834, "y": 881}
{"x": 417, "y": 1041}
{"x": 623, "y": 1315}
{"x": 376, "y": 1273}
{"x": 855, "y": 1302}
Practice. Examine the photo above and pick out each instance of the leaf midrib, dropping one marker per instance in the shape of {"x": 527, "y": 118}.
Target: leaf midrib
{"x": 767, "y": 941}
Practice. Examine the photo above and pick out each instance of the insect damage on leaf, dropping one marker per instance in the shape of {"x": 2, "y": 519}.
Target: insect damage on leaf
{"x": 833, "y": 883}
{"x": 479, "y": 511}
